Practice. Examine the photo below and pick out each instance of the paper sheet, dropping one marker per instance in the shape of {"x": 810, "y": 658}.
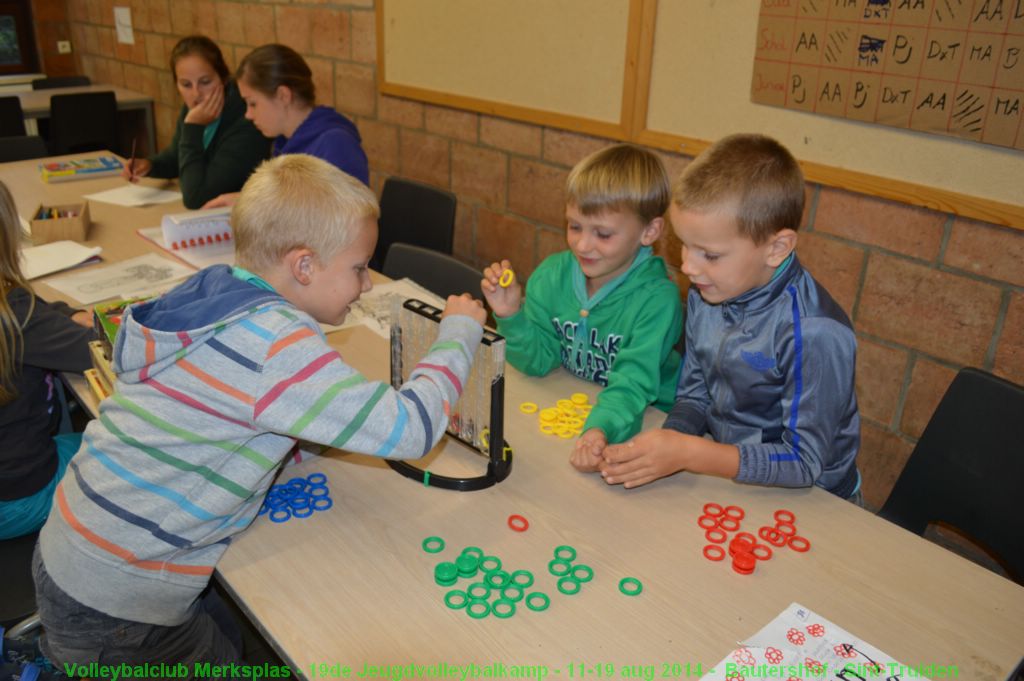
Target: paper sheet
{"x": 145, "y": 272}
{"x": 199, "y": 257}
{"x": 38, "y": 261}
{"x": 373, "y": 309}
{"x": 800, "y": 644}
{"x": 135, "y": 195}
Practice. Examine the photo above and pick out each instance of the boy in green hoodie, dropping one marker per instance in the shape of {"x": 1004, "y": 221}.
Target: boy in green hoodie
{"x": 605, "y": 309}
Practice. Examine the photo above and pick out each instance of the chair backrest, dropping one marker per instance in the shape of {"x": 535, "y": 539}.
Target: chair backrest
{"x": 22, "y": 148}
{"x": 967, "y": 469}
{"x": 437, "y": 272}
{"x": 83, "y": 122}
{"x": 12, "y": 120}
{"x": 60, "y": 81}
{"x": 17, "y": 590}
{"x": 414, "y": 213}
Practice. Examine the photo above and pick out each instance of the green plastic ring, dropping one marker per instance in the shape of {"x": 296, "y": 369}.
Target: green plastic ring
{"x": 588, "y": 573}
{"x": 497, "y": 579}
{"x": 451, "y": 596}
{"x": 474, "y": 603}
{"x": 527, "y": 582}
{"x": 636, "y": 586}
{"x": 466, "y": 565}
{"x": 433, "y": 545}
{"x": 545, "y": 601}
{"x": 473, "y": 551}
{"x": 564, "y": 582}
{"x": 569, "y": 549}
{"x": 490, "y": 563}
{"x": 503, "y": 609}
{"x": 474, "y": 587}
{"x": 517, "y": 593}
{"x": 445, "y": 571}
{"x": 559, "y": 567}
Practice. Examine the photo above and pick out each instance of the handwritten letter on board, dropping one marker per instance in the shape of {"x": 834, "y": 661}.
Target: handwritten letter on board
{"x": 953, "y": 67}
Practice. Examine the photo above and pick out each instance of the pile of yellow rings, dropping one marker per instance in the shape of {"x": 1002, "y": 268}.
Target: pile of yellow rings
{"x": 565, "y": 419}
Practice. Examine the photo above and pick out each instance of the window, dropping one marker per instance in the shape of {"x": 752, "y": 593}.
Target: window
{"x": 17, "y": 43}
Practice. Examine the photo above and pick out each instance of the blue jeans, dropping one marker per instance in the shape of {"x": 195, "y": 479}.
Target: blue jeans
{"x": 26, "y": 515}
{"x": 77, "y": 634}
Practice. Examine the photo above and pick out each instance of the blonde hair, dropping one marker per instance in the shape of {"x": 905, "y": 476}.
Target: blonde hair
{"x": 11, "y": 345}
{"x": 297, "y": 201}
{"x": 754, "y": 176}
{"x": 620, "y": 178}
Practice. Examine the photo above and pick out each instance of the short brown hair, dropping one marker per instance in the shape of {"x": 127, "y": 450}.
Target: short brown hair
{"x": 621, "y": 177}
{"x": 297, "y": 201}
{"x": 270, "y": 66}
{"x": 200, "y": 46}
{"x": 753, "y": 175}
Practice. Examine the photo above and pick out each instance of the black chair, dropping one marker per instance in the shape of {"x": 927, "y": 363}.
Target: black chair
{"x": 60, "y": 81}
{"x": 967, "y": 469}
{"x": 12, "y": 119}
{"x": 439, "y": 273}
{"x": 17, "y": 590}
{"x": 22, "y": 148}
{"x": 83, "y": 122}
{"x": 416, "y": 214}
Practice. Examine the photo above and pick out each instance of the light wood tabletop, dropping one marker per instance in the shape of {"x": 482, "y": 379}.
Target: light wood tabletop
{"x": 352, "y": 585}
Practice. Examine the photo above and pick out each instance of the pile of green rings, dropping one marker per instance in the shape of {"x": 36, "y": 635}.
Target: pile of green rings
{"x": 495, "y": 591}
{"x": 571, "y": 577}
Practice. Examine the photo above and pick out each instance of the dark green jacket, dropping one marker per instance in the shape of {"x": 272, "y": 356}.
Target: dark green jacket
{"x": 234, "y": 152}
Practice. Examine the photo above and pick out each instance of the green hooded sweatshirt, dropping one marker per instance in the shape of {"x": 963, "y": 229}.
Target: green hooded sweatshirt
{"x": 624, "y": 340}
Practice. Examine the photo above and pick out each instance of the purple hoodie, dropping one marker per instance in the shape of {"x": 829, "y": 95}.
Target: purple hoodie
{"x": 328, "y": 135}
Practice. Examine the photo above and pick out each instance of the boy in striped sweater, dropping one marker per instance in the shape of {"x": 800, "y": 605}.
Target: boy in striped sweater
{"x": 216, "y": 381}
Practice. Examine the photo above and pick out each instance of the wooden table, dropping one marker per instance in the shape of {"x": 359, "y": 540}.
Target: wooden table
{"x": 36, "y": 104}
{"x": 352, "y": 586}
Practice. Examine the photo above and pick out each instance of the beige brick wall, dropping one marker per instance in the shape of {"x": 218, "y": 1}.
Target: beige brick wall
{"x": 928, "y": 292}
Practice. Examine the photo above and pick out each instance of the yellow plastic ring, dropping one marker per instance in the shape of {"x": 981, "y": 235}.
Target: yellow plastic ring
{"x": 483, "y": 437}
{"x": 528, "y": 407}
{"x": 565, "y": 405}
{"x": 579, "y": 398}
{"x": 507, "y": 277}
{"x": 549, "y": 414}
{"x": 574, "y": 422}
{"x": 547, "y": 428}
{"x": 564, "y": 433}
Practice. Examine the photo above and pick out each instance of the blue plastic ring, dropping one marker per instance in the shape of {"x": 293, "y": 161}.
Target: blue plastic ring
{"x": 317, "y": 479}
{"x": 302, "y": 512}
{"x": 322, "y": 503}
{"x": 300, "y": 501}
{"x": 276, "y": 501}
{"x": 263, "y": 509}
{"x": 275, "y": 515}
{"x": 318, "y": 491}
{"x": 299, "y": 483}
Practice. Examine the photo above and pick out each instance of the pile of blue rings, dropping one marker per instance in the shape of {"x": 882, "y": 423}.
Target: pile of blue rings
{"x": 297, "y": 498}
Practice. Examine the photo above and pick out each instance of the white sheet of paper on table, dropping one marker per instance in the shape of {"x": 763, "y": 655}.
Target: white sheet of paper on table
{"x": 135, "y": 195}
{"x": 373, "y": 309}
{"x": 38, "y": 261}
{"x": 145, "y": 272}
{"x": 801, "y": 644}
{"x": 200, "y": 257}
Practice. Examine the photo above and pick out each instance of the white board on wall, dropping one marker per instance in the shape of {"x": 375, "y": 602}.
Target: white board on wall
{"x": 700, "y": 86}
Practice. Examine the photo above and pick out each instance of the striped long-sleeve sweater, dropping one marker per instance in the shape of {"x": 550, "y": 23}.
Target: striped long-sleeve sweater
{"x": 216, "y": 381}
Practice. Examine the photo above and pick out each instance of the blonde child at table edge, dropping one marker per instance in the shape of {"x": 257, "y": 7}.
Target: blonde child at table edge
{"x": 216, "y": 381}
{"x": 37, "y": 340}
{"x": 769, "y": 363}
{"x": 605, "y": 309}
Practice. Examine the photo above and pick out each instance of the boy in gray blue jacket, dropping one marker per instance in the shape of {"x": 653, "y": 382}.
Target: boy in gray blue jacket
{"x": 769, "y": 364}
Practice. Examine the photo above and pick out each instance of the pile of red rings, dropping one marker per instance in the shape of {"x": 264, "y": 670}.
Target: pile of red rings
{"x": 744, "y": 549}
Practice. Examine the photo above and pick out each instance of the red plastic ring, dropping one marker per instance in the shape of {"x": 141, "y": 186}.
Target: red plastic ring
{"x": 789, "y": 526}
{"x": 704, "y": 519}
{"x": 518, "y": 523}
{"x": 716, "y": 535}
{"x": 745, "y": 535}
{"x": 735, "y": 512}
{"x": 717, "y": 550}
{"x": 805, "y": 545}
{"x": 744, "y": 563}
{"x": 764, "y": 549}
{"x": 740, "y": 546}
{"x": 788, "y": 516}
{"x": 772, "y": 536}
{"x": 709, "y": 509}
{"x": 733, "y": 523}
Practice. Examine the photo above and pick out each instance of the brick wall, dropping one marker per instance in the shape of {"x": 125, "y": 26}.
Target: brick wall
{"x": 928, "y": 292}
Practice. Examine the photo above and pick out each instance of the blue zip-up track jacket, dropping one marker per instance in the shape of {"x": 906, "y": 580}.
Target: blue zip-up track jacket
{"x": 772, "y": 372}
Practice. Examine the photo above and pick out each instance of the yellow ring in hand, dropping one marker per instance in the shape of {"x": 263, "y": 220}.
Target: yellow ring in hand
{"x": 507, "y": 277}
